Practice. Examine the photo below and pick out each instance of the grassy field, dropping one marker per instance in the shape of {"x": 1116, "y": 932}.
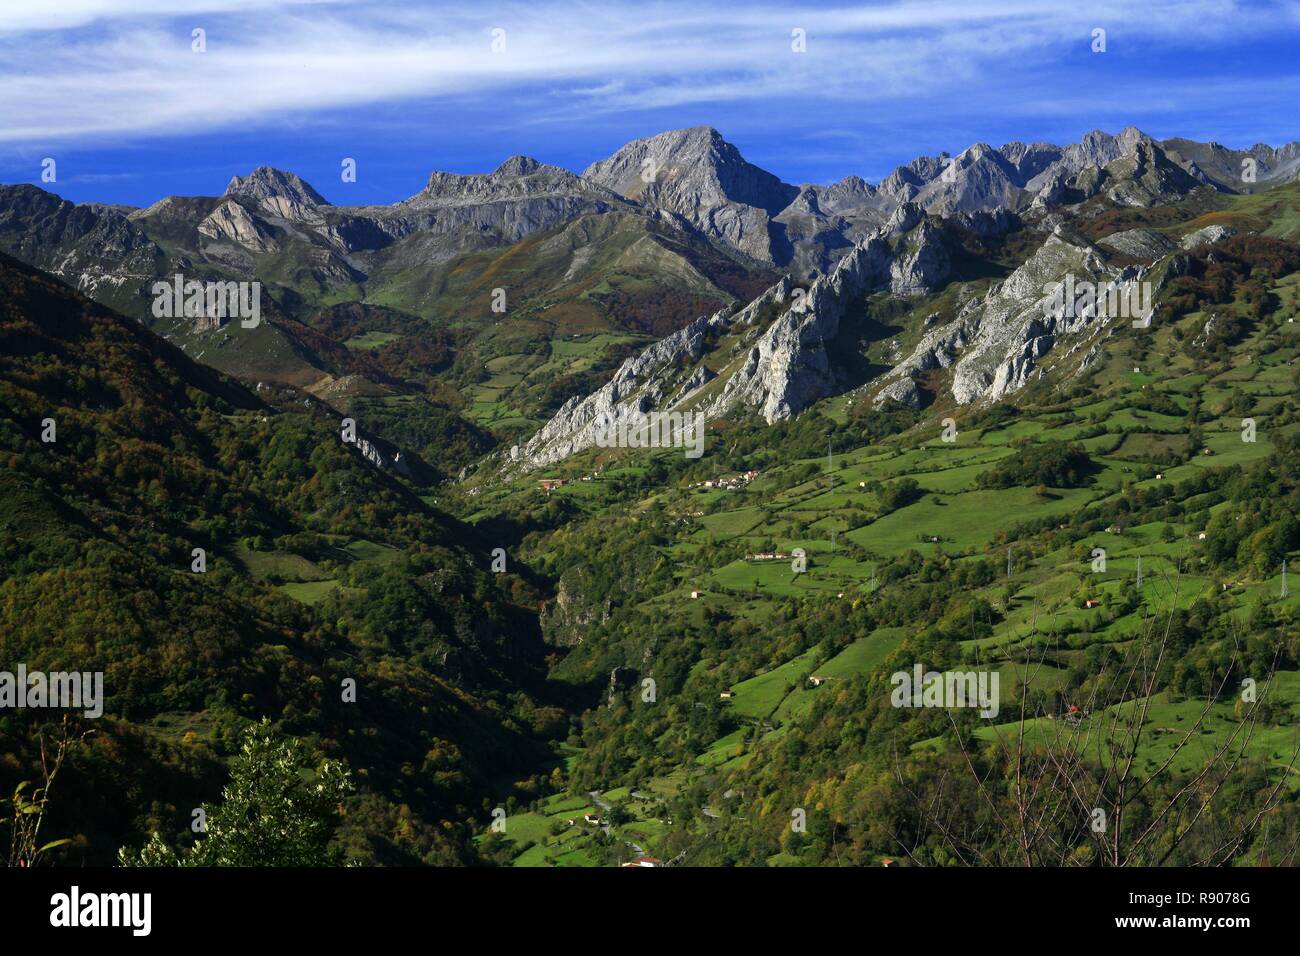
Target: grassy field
{"x": 305, "y": 580}
{"x": 555, "y": 833}
{"x": 760, "y": 695}
{"x": 371, "y": 340}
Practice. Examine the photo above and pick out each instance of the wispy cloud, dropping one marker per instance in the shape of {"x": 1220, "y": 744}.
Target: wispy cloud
{"x": 124, "y": 68}
{"x": 67, "y": 14}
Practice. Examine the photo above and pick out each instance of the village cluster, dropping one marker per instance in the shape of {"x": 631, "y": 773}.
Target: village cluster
{"x": 730, "y": 483}
{"x": 548, "y": 484}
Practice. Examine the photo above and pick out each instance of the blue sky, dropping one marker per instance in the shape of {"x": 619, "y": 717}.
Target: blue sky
{"x": 114, "y": 93}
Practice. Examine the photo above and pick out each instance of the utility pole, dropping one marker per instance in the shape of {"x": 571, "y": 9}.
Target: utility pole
{"x": 830, "y": 464}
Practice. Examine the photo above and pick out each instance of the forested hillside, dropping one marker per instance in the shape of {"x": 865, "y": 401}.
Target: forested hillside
{"x": 319, "y": 568}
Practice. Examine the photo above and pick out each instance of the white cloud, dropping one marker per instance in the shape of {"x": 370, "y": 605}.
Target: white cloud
{"x": 123, "y": 68}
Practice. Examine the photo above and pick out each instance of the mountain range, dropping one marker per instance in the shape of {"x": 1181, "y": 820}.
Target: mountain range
{"x": 394, "y": 311}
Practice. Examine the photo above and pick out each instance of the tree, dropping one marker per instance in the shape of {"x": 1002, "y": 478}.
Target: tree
{"x": 1052, "y": 463}
{"x": 900, "y": 494}
{"x": 279, "y": 809}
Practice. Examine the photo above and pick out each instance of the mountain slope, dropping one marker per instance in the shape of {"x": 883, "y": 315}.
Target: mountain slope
{"x": 155, "y": 455}
{"x": 980, "y": 323}
{"x": 473, "y": 270}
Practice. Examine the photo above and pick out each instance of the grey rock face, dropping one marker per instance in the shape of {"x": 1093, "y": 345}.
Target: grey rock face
{"x": 278, "y": 193}
{"x": 519, "y": 177}
{"x": 787, "y": 368}
{"x": 924, "y": 266}
{"x": 698, "y": 175}
{"x": 1236, "y": 170}
{"x": 1142, "y": 244}
{"x": 850, "y": 193}
{"x": 375, "y": 455}
{"x": 903, "y": 390}
{"x": 994, "y": 345}
{"x": 699, "y": 183}
{"x": 454, "y": 213}
{"x": 1095, "y": 150}
{"x": 1018, "y": 176}
{"x": 1054, "y": 191}
{"x": 987, "y": 222}
{"x": 99, "y": 251}
{"x": 780, "y": 365}
{"x": 697, "y": 380}
{"x": 939, "y": 348}
{"x": 1208, "y": 235}
{"x": 1016, "y": 329}
{"x": 1031, "y": 159}
{"x": 231, "y": 222}
{"x": 639, "y": 385}
{"x": 1013, "y": 177}
{"x": 1144, "y": 177}
{"x": 980, "y": 177}
{"x": 850, "y": 238}
{"x": 519, "y": 198}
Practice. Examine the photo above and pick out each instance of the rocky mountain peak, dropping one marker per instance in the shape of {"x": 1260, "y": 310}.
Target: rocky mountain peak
{"x": 848, "y": 193}
{"x": 696, "y": 160}
{"x": 267, "y": 182}
{"x": 904, "y": 218}
{"x": 698, "y": 175}
{"x": 1145, "y": 176}
{"x": 1130, "y": 136}
{"x": 519, "y": 177}
{"x": 1099, "y": 148}
{"x": 518, "y": 166}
